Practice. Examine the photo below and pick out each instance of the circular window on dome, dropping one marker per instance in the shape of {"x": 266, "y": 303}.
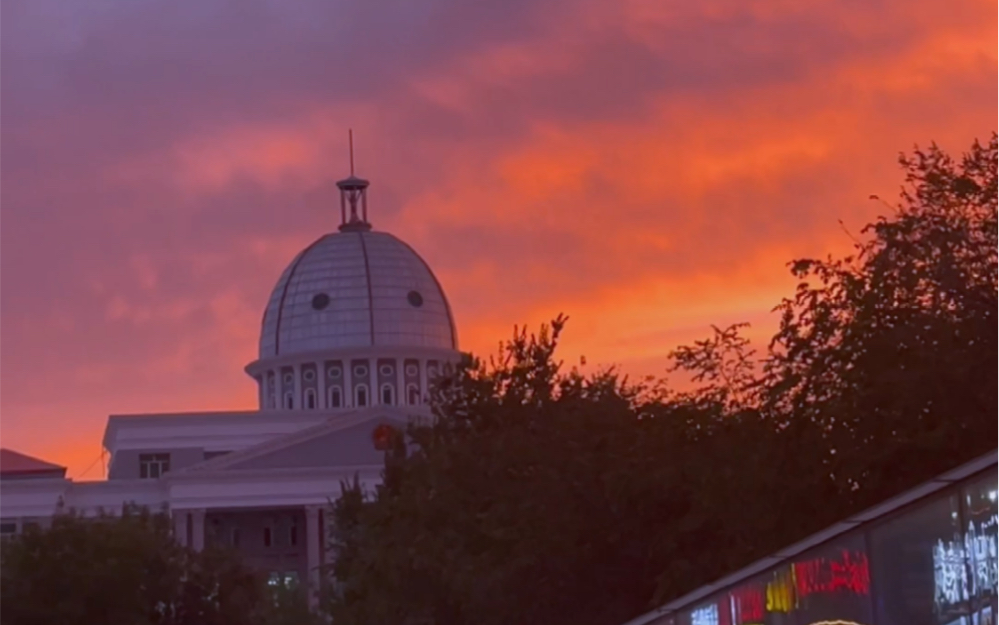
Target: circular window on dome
{"x": 386, "y": 370}
{"x": 334, "y": 373}
{"x": 415, "y": 299}
{"x": 309, "y": 375}
{"x": 320, "y": 301}
{"x": 360, "y": 371}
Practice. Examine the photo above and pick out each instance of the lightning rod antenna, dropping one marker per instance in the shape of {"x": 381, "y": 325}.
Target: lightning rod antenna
{"x": 350, "y": 139}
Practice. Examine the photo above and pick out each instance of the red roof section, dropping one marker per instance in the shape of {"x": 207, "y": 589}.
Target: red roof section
{"x": 12, "y": 462}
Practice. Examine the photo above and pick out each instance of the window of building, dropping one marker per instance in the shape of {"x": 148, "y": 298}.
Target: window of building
{"x": 152, "y": 466}
{"x": 268, "y": 536}
{"x": 289, "y": 401}
{"x": 8, "y": 528}
{"x": 918, "y": 564}
{"x": 293, "y": 534}
{"x": 388, "y": 396}
{"x": 334, "y": 397}
{"x": 386, "y": 370}
{"x": 310, "y": 399}
{"x": 287, "y": 579}
{"x": 980, "y": 540}
{"x": 832, "y": 583}
{"x": 413, "y": 394}
{"x": 361, "y": 396}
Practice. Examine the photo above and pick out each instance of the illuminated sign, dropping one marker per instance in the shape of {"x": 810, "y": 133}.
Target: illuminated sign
{"x": 748, "y": 605}
{"x": 780, "y": 592}
{"x": 848, "y": 573}
{"x": 788, "y": 589}
{"x": 708, "y": 615}
{"x": 963, "y": 566}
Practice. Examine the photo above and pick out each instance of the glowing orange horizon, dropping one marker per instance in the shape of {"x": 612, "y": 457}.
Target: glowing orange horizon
{"x": 646, "y": 168}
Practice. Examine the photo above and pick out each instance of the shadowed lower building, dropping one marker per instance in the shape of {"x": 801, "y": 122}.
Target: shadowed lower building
{"x": 353, "y": 334}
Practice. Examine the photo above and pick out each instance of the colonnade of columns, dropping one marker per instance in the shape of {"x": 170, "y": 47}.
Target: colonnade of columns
{"x": 189, "y": 531}
{"x": 273, "y": 397}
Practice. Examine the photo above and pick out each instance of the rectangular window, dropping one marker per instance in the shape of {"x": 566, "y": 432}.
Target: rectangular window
{"x": 829, "y": 584}
{"x": 8, "y": 528}
{"x": 287, "y": 579}
{"x": 293, "y": 535}
{"x": 152, "y": 466}
{"x": 979, "y": 545}
{"x": 267, "y": 537}
{"x": 919, "y": 567}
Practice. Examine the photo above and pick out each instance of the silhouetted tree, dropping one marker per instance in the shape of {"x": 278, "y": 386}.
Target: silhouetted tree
{"x": 537, "y": 495}
{"x": 128, "y": 570}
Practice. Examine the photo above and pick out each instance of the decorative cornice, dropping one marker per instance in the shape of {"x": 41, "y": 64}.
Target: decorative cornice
{"x": 348, "y": 353}
{"x": 207, "y": 419}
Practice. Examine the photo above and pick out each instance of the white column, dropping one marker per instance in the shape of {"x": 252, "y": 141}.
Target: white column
{"x": 313, "y": 542}
{"x": 424, "y": 385}
{"x": 180, "y": 527}
{"x": 400, "y": 382}
{"x": 348, "y": 383}
{"x": 297, "y": 385}
{"x": 198, "y": 529}
{"x": 321, "y": 385}
{"x": 272, "y": 392}
{"x": 376, "y": 394}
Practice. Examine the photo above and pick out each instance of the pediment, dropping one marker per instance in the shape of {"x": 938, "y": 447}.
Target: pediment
{"x": 343, "y": 441}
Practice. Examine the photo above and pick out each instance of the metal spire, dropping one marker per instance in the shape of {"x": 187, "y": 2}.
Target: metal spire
{"x": 353, "y": 194}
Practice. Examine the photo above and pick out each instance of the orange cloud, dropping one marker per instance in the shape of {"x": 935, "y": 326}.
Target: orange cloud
{"x": 646, "y": 167}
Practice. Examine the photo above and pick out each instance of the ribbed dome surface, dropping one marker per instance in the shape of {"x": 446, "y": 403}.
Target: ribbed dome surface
{"x": 356, "y": 289}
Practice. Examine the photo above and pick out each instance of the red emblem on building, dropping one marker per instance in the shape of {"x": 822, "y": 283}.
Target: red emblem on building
{"x": 382, "y": 437}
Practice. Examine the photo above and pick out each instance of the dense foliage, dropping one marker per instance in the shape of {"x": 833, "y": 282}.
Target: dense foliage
{"x": 538, "y": 495}
{"x": 127, "y": 570}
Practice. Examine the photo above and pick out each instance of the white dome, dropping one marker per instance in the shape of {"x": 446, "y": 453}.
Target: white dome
{"x": 356, "y": 288}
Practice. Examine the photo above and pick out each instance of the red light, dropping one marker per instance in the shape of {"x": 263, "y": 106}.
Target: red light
{"x": 849, "y": 573}
{"x": 750, "y": 604}
{"x": 382, "y": 437}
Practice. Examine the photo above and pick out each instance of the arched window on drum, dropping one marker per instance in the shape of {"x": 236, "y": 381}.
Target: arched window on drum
{"x": 413, "y": 395}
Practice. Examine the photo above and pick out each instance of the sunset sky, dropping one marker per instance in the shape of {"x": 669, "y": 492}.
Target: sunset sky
{"x": 646, "y": 166}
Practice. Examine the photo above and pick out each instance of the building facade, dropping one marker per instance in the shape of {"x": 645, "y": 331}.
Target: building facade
{"x": 353, "y": 335}
{"x": 926, "y": 557}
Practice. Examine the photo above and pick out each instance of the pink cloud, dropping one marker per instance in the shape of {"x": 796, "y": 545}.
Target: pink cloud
{"x": 646, "y": 167}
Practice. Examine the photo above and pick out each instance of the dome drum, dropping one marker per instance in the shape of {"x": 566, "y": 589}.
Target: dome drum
{"x": 350, "y": 379}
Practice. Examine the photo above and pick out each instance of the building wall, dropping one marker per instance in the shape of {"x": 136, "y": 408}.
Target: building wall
{"x": 246, "y": 531}
{"x": 932, "y": 562}
{"x": 125, "y": 464}
{"x": 350, "y": 447}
